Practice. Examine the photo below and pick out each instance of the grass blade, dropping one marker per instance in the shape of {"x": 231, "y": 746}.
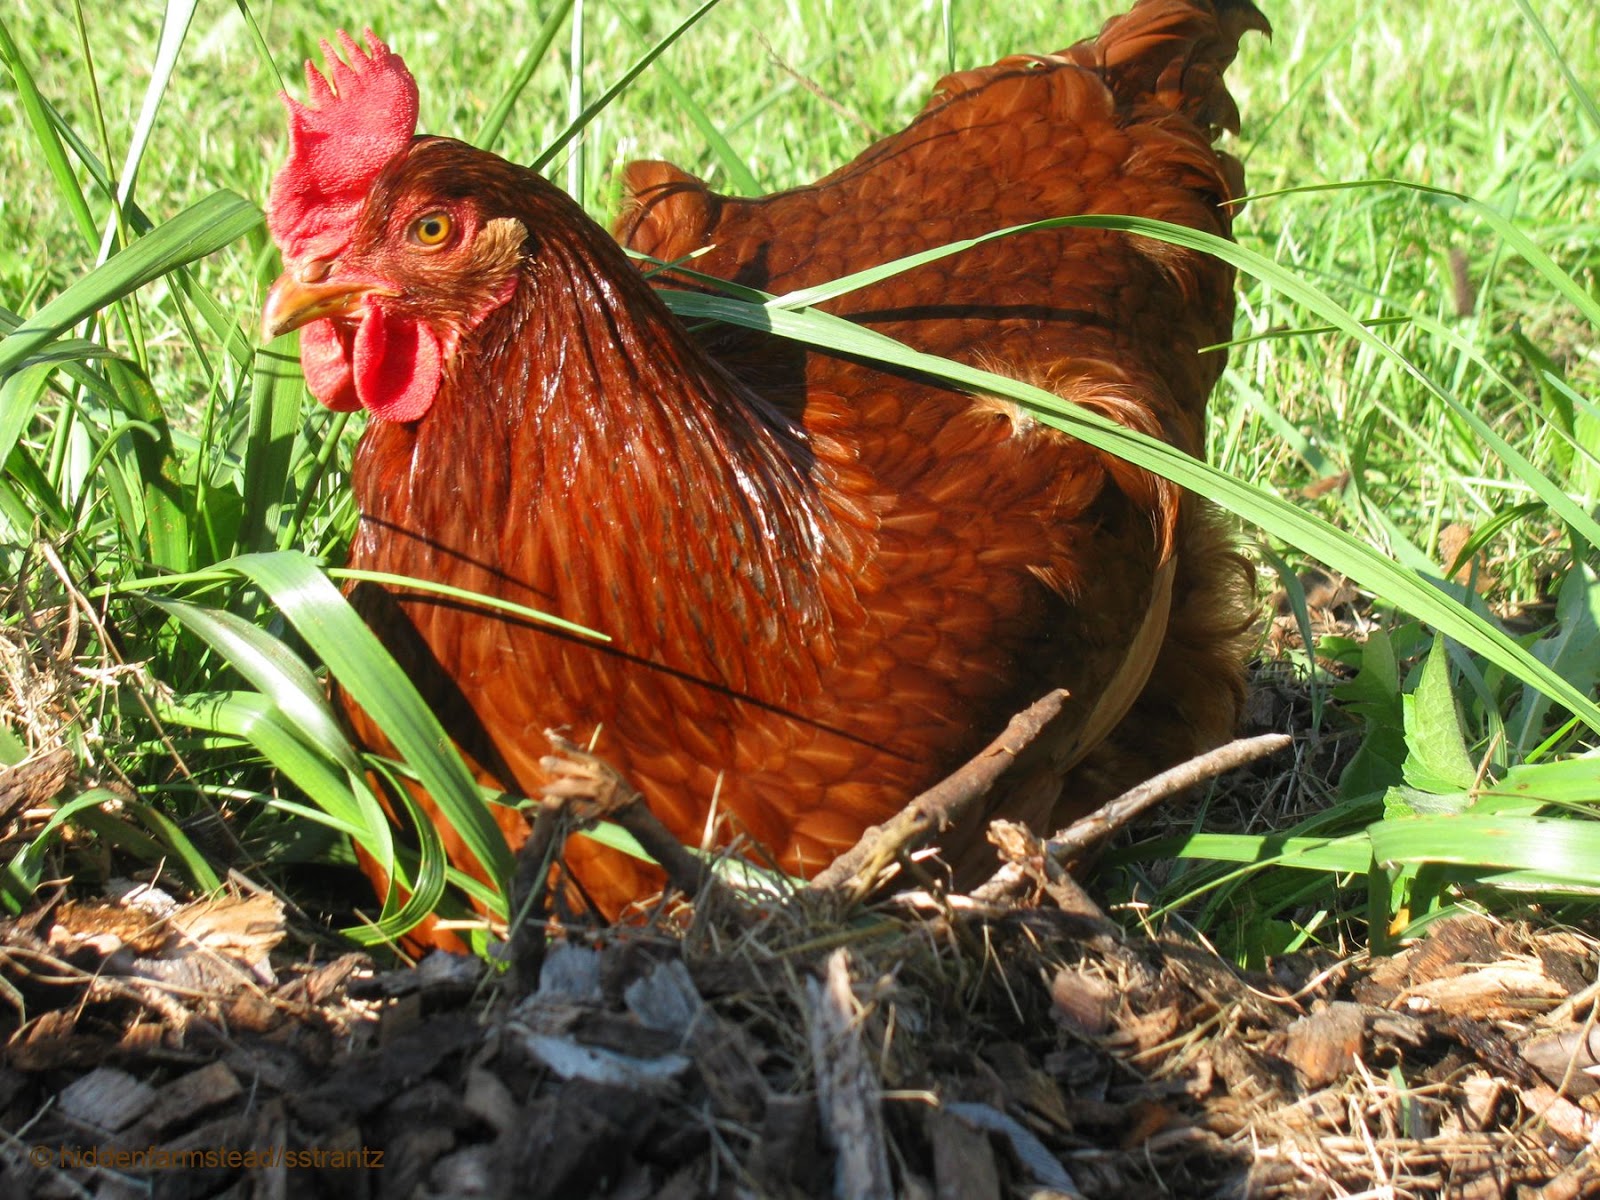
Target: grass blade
{"x": 217, "y": 221}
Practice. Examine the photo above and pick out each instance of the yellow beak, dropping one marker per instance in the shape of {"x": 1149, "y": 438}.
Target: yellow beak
{"x": 292, "y": 302}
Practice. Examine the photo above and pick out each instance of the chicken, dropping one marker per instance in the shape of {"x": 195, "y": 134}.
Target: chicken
{"x": 826, "y": 583}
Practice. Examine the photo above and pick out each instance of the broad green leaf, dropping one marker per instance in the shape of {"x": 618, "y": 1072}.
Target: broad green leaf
{"x": 276, "y": 395}
{"x": 372, "y": 678}
{"x": 19, "y": 396}
{"x": 1350, "y": 855}
{"x": 166, "y": 519}
{"x": 1565, "y": 853}
{"x": 1374, "y": 696}
{"x": 1574, "y": 782}
{"x": 1410, "y": 802}
{"x": 278, "y": 673}
{"x": 1436, "y": 753}
{"x": 1572, "y": 651}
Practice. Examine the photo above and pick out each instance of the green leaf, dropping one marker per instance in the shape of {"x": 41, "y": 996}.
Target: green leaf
{"x": 1410, "y": 802}
{"x": 1573, "y": 782}
{"x": 1436, "y": 759}
{"x": 166, "y": 518}
{"x": 1553, "y": 853}
{"x": 278, "y": 673}
{"x": 372, "y": 678}
{"x": 1374, "y": 696}
{"x": 38, "y": 113}
{"x": 218, "y": 220}
{"x": 19, "y": 397}
{"x": 276, "y": 394}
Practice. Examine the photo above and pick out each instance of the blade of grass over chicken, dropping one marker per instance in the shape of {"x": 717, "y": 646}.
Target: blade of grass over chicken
{"x": 226, "y": 571}
{"x": 1331, "y": 546}
{"x": 276, "y": 391}
{"x": 1296, "y": 288}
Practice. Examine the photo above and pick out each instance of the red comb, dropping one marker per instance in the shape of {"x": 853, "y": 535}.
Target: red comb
{"x": 357, "y": 117}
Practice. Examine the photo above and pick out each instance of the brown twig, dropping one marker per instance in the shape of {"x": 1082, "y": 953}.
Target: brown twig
{"x": 1082, "y": 834}
{"x": 584, "y": 776}
{"x": 933, "y": 811}
{"x": 1014, "y": 877}
{"x": 530, "y": 896}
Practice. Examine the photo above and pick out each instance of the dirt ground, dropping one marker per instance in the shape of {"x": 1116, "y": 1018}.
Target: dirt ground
{"x": 919, "y": 1048}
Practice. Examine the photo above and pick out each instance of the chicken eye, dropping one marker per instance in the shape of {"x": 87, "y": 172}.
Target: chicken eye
{"x": 432, "y": 230}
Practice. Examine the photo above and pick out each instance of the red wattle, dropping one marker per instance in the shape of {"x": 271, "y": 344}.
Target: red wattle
{"x": 397, "y": 365}
{"x": 325, "y": 361}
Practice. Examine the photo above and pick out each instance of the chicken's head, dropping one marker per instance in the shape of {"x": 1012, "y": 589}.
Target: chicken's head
{"x": 389, "y": 256}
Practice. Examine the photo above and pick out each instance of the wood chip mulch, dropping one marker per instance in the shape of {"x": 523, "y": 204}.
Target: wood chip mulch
{"x": 924, "y": 1047}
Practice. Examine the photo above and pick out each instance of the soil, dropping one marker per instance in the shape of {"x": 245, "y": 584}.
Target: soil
{"x": 920, "y": 1047}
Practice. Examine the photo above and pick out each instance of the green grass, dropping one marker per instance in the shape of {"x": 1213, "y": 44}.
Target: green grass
{"x": 1408, "y": 360}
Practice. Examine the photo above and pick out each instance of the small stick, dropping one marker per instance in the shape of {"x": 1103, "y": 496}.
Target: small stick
{"x": 1099, "y": 824}
{"x": 936, "y": 809}
{"x": 1012, "y": 879}
{"x": 585, "y": 776}
{"x": 530, "y": 896}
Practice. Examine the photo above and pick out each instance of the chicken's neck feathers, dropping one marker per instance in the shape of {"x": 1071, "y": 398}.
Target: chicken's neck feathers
{"x": 584, "y": 456}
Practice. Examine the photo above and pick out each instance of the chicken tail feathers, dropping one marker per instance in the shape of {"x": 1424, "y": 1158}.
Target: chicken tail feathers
{"x": 1173, "y": 53}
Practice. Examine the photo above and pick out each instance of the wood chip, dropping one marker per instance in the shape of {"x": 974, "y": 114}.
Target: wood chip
{"x": 1481, "y": 1096}
{"x": 1559, "y": 1115}
{"x": 189, "y": 1095}
{"x": 847, "y": 1088}
{"x": 1081, "y": 1001}
{"x": 963, "y": 1160}
{"x": 1324, "y": 1046}
{"x": 491, "y": 1101}
{"x": 107, "y": 1099}
{"x": 1030, "y": 1151}
{"x": 1502, "y": 991}
{"x": 1570, "y": 1060}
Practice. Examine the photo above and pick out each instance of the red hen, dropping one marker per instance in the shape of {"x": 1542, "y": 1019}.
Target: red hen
{"x": 826, "y": 584}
